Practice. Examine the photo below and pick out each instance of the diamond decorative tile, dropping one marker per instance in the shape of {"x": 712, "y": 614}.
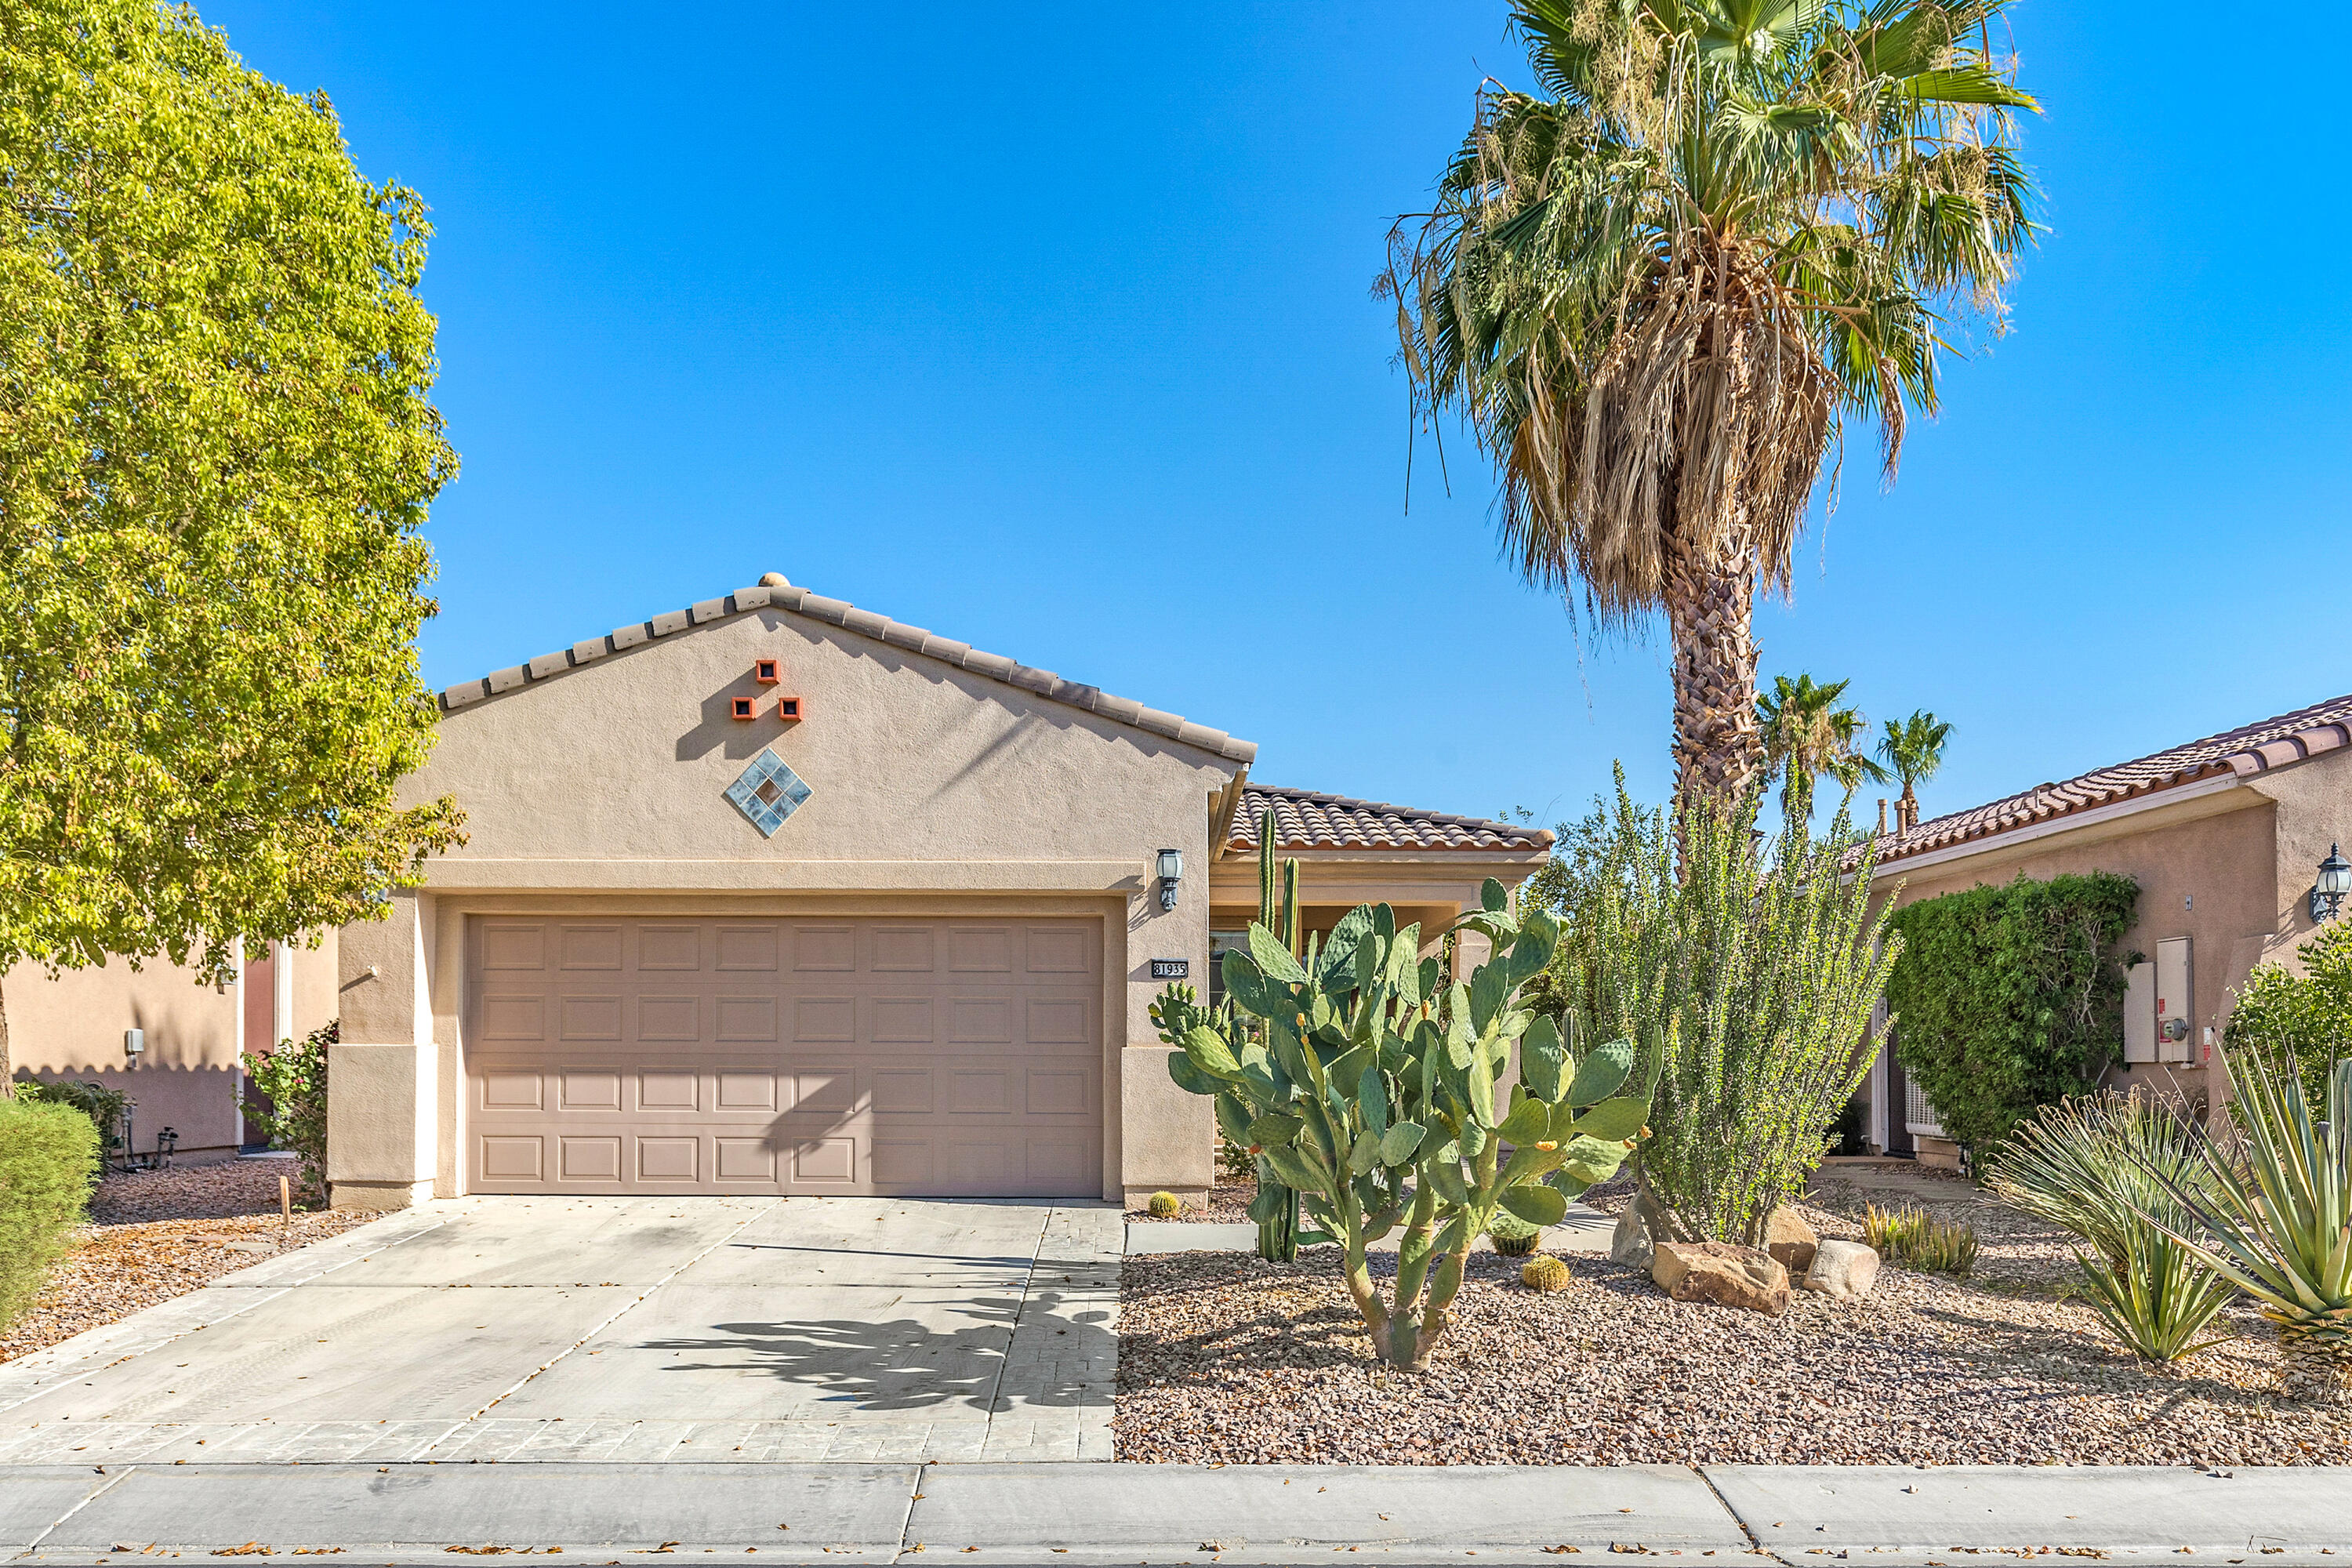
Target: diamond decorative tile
{"x": 768, "y": 792}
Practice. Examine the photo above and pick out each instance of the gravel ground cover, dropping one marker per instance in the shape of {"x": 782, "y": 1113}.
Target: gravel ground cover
{"x": 1229, "y": 1204}
{"x": 159, "y": 1233}
{"x": 1225, "y": 1358}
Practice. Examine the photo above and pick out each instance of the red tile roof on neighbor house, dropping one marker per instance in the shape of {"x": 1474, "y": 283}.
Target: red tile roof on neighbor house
{"x": 1305, "y": 819}
{"x": 2250, "y": 749}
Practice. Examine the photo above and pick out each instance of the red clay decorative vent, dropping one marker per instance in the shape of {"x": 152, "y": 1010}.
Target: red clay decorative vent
{"x": 767, "y": 671}
{"x": 788, "y": 708}
{"x": 746, "y": 708}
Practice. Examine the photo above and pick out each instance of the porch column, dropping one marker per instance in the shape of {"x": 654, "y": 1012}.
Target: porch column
{"x": 383, "y": 1077}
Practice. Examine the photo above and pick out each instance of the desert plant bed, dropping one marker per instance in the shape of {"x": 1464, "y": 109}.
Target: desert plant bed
{"x": 1223, "y": 1358}
{"x": 159, "y": 1233}
{"x": 1229, "y": 1204}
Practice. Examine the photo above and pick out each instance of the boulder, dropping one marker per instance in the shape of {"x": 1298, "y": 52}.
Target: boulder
{"x": 1845, "y": 1269}
{"x": 1790, "y": 1240}
{"x": 1630, "y": 1242}
{"x": 1720, "y": 1272}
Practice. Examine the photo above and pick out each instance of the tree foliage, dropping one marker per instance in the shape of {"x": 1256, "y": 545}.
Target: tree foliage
{"x": 2010, "y": 998}
{"x": 2307, "y": 1018}
{"x": 1659, "y": 287}
{"x": 216, "y": 452}
{"x": 1759, "y": 963}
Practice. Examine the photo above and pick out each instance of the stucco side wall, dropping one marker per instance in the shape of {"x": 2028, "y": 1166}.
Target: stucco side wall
{"x": 71, "y": 1027}
{"x": 2314, "y": 814}
{"x": 2209, "y": 878}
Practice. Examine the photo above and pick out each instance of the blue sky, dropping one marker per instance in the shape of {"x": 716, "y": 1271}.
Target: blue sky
{"x": 1049, "y": 328}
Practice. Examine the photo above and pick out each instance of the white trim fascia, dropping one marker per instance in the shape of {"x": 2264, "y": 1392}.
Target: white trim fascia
{"x": 2072, "y": 821}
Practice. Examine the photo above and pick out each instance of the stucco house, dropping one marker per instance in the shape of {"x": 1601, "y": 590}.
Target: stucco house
{"x": 2225, "y": 836}
{"x": 775, "y": 894}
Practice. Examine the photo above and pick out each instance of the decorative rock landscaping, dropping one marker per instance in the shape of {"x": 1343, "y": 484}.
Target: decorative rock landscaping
{"x": 1226, "y": 1359}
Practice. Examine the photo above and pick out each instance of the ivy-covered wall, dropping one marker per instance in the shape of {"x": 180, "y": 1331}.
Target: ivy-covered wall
{"x": 2007, "y": 998}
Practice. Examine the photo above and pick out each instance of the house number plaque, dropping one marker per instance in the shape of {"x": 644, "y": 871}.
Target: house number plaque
{"x": 1171, "y": 968}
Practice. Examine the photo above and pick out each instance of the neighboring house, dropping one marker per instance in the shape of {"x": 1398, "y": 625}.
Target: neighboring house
{"x": 186, "y": 1081}
{"x": 777, "y": 895}
{"x": 2224, "y": 836}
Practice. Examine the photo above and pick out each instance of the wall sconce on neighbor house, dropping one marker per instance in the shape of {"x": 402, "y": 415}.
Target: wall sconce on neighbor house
{"x": 1172, "y": 871}
{"x": 2334, "y": 881}
{"x": 134, "y": 1044}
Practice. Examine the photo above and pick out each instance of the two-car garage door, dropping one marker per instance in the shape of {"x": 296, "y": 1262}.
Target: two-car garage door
{"x": 937, "y": 1056}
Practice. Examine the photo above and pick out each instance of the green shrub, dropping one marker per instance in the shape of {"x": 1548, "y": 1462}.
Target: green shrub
{"x": 294, "y": 1077}
{"x": 1758, "y": 964}
{"x": 2303, "y": 1018}
{"x": 2010, "y": 998}
{"x": 48, "y": 1158}
{"x": 104, "y": 1107}
{"x": 2106, "y": 1167}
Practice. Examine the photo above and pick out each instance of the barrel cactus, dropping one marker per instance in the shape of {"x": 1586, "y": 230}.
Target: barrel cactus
{"x": 1165, "y": 1205}
{"x": 1513, "y": 1238}
{"x": 1546, "y": 1274}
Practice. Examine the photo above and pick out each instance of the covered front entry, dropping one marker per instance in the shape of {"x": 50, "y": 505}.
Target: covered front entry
{"x": 940, "y": 1056}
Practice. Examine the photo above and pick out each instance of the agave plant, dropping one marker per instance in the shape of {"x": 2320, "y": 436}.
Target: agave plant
{"x": 2276, "y": 1221}
{"x": 2098, "y": 1165}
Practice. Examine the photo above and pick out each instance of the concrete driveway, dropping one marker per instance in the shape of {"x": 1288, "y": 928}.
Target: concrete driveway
{"x": 615, "y": 1329}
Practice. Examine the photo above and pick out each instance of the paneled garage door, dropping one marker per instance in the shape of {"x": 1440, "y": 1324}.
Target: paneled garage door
{"x": 907, "y": 1056}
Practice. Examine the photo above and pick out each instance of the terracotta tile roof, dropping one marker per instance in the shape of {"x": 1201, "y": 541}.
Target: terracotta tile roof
{"x": 2250, "y": 749}
{"x": 1306, "y": 819}
{"x": 776, "y": 594}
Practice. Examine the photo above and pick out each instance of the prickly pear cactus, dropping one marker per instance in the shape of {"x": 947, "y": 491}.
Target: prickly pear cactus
{"x": 1368, "y": 1083}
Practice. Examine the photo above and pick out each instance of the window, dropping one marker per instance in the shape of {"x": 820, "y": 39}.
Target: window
{"x": 1219, "y": 940}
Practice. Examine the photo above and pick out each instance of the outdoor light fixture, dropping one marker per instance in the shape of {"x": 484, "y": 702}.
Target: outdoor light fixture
{"x": 2334, "y": 881}
{"x": 134, "y": 1042}
{"x": 1172, "y": 871}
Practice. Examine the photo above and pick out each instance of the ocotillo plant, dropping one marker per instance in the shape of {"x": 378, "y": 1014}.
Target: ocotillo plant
{"x": 1373, "y": 1094}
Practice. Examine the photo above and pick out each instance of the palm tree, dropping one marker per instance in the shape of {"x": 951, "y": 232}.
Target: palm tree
{"x": 1658, "y": 290}
{"x": 1912, "y": 749}
{"x": 1806, "y": 733}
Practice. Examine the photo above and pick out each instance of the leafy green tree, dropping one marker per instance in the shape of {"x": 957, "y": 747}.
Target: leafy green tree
{"x": 1657, "y": 288}
{"x": 216, "y": 452}
{"x": 1913, "y": 751}
{"x": 2305, "y": 1019}
{"x": 1808, "y": 732}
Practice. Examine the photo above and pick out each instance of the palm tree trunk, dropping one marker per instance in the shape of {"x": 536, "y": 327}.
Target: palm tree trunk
{"x": 1710, "y": 596}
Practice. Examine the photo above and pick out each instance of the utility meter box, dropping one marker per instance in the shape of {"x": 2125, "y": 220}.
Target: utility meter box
{"x": 2139, "y": 1013}
{"x": 2175, "y": 1034}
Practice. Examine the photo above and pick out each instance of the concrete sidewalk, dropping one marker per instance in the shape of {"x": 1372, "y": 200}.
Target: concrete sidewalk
{"x": 1045, "y": 1512}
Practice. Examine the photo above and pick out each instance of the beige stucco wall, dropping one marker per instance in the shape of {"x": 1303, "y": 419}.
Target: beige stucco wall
{"x": 603, "y": 788}
{"x": 2229, "y": 867}
{"x": 70, "y": 1026}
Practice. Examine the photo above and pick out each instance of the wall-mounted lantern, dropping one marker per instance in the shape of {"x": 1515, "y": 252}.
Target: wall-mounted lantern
{"x": 2334, "y": 881}
{"x": 134, "y": 1045}
{"x": 1172, "y": 871}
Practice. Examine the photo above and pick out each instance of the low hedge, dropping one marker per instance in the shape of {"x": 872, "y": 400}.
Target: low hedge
{"x": 48, "y": 1157}
{"x": 2007, "y": 999}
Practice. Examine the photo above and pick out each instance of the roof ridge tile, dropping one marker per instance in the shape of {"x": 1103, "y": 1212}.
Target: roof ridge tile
{"x": 865, "y": 623}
